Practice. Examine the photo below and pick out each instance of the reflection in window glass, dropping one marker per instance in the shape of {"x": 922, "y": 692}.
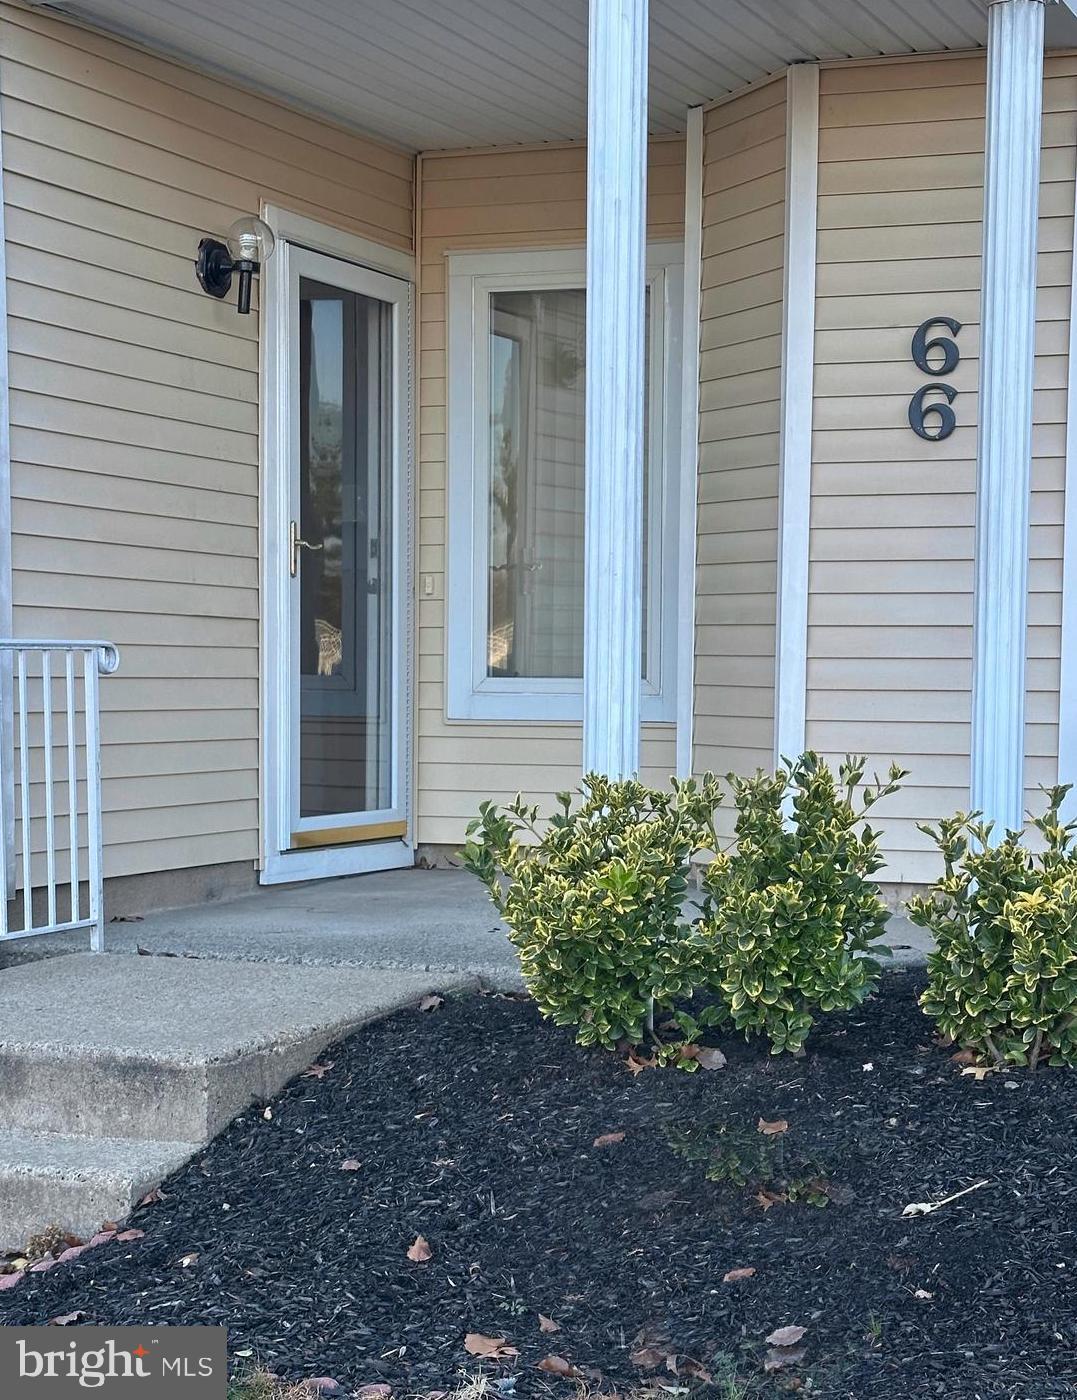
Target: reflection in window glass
{"x": 345, "y": 602}
{"x": 536, "y": 483}
{"x": 537, "y": 388}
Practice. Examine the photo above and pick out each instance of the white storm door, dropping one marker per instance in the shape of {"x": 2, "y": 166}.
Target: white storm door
{"x": 340, "y": 555}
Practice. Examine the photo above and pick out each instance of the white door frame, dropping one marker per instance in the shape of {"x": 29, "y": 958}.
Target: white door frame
{"x": 278, "y": 679}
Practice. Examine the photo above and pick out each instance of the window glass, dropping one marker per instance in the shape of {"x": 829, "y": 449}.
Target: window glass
{"x": 535, "y": 580}
{"x": 345, "y": 603}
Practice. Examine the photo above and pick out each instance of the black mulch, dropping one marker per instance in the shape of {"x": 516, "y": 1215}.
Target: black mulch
{"x": 474, "y": 1125}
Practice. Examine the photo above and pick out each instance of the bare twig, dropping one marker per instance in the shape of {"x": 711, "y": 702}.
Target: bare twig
{"x": 929, "y": 1207}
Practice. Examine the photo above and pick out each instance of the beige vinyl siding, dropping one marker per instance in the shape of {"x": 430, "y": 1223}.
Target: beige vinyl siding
{"x": 740, "y": 405}
{"x": 893, "y": 517}
{"x": 497, "y": 200}
{"x": 134, "y": 403}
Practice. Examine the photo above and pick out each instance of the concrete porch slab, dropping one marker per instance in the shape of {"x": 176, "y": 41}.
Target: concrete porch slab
{"x": 416, "y": 920}
{"x": 422, "y": 920}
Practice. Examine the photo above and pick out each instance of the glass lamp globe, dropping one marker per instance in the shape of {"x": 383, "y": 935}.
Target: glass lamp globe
{"x": 250, "y": 240}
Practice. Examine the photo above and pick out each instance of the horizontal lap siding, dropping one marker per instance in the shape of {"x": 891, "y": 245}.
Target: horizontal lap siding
{"x": 893, "y": 517}
{"x": 740, "y": 407}
{"x": 134, "y": 403}
{"x": 497, "y": 200}
{"x": 1057, "y": 181}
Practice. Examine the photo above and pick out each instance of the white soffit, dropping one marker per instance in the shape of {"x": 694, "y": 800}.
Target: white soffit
{"x": 430, "y": 74}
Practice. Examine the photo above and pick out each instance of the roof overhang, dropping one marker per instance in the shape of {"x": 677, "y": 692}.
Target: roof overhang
{"x": 431, "y": 74}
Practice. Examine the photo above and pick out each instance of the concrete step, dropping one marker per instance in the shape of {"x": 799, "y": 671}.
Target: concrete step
{"x": 76, "y": 1182}
{"x": 115, "y": 1069}
{"x": 171, "y": 1049}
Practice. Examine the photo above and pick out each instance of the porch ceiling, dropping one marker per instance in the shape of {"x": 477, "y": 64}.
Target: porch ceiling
{"x": 429, "y": 74}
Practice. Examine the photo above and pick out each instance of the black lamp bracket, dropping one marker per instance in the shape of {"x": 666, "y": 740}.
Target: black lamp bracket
{"x": 214, "y": 268}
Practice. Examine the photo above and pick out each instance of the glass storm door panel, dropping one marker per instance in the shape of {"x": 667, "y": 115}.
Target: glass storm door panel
{"x": 342, "y": 556}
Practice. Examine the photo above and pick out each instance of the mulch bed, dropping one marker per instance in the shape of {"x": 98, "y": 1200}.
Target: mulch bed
{"x": 474, "y": 1125}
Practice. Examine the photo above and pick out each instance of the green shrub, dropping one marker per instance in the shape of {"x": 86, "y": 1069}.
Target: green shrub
{"x": 1002, "y": 980}
{"x": 593, "y": 900}
{"x": 791, "y": 915}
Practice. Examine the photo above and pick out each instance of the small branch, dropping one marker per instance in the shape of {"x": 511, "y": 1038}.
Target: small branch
{"x": 998, "y": 1059}
{"x": 1035, "y": 1057}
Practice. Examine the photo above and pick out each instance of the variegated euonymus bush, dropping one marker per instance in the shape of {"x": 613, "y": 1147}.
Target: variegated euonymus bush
{"x": 791, "y": 913}
{"x": 593, "y": 899}
{"x": 1003, "y": 977}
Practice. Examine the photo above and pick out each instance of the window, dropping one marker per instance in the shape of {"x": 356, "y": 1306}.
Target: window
{"x": 517, "y": 383}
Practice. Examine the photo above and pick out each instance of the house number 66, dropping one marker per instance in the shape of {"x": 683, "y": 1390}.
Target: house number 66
{"x": 945, "y": 420}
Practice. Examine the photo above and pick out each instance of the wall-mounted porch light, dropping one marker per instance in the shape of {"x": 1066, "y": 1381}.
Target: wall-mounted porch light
{"x": 250, "y": 243}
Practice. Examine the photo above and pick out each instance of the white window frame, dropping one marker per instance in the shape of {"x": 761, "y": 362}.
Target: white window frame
{"x": 472, "y": 277}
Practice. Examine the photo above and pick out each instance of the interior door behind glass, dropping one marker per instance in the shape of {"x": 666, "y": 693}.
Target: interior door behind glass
{"x": 341, "y": 552}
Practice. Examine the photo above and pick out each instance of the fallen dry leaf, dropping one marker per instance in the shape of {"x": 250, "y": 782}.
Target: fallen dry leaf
{"x": 735, "y": 1275}
{"x": 649, "y": 1358}
{"x": 419, "y": 1251}
{"x": 350, "y": 1164}
{"x": 319, "y": 1072}
{"x": 769, "y": 1198}
{"x": 381, "y": 1390}
{"x": 66, "y": 1319}
{"x": 124, "y": 1237}
{"x": 786, "y": 1336}
{"x": 608, "y": 1139}
{"x": 777, "y": 1358}
{"x": 705, "y": 1056}
{"x": 431, "y": 1003}
{"x": 558, "y": 1366}
{"x": 964, "y": 1057}
{"x": 979, "y": 1072}
{"x": 187, "y": 1260}
{"x": 10, "y": 1280}
{"x": 836, "y": 1191}
{"x": 152, "y": 1197}
{"x": 635, "y": 1065}
{"x": 547, "y": 1324}
{"x": 475, "y": 1344}
{"x": 772, "y": 1129}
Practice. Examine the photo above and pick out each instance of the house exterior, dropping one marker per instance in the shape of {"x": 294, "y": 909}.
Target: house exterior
{"x": 343, "y": 544}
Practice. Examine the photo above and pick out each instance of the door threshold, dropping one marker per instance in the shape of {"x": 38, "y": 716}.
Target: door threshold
{"x": 327, "y": 862}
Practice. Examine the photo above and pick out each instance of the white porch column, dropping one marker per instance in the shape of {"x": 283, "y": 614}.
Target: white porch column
{"x": 1007, "y": 350}
{"x": 616, "y": 263}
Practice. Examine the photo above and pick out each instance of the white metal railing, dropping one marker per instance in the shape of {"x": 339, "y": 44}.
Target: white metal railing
{"x": 49, "y": 718}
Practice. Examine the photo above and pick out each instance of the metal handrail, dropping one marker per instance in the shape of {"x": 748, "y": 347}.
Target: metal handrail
{"x": 99, "y": 658}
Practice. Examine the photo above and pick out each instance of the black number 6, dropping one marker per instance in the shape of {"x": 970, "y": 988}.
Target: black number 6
{"x": 922, "y": 347}
{"x": 919, "y": 410}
